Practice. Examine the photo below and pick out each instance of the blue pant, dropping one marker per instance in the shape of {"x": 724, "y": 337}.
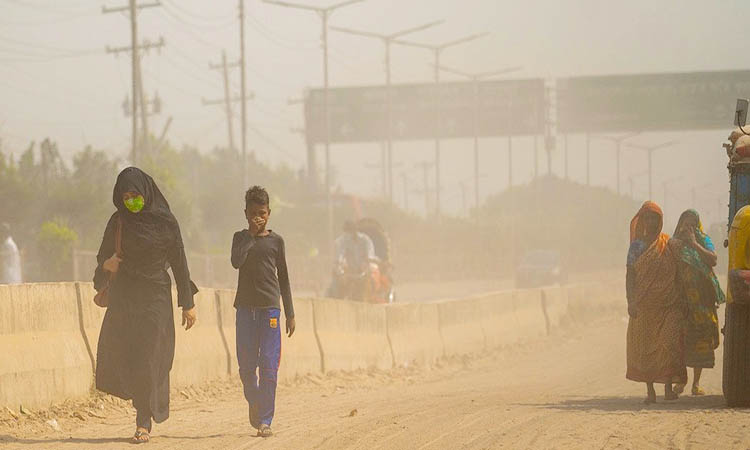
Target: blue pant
{"x": 259, "y": 347}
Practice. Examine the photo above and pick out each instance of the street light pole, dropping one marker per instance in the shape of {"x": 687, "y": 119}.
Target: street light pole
{"x": 651, "y": 149}
{"x": 618, "y": 147}
{"x": 476, "y": 78}
{"x": 324, "y": 13}
{"x": 437, "y": 51}
{"x": 388, "y": 39}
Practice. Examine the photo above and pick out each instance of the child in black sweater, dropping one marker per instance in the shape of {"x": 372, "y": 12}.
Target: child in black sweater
{"x": 259, "y": 255}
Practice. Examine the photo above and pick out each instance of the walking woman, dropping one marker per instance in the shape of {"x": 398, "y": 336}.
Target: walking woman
{"x": 136, "y": 344}
{"x": 655, "y": 352}
{"x": 700, "y": 287}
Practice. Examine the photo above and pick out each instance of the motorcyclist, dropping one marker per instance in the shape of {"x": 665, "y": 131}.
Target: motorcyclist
{"x": 354, "y": 250}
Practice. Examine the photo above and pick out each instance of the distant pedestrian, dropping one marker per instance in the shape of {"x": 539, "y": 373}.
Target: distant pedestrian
{"x": 702, "y": 293}
{"x": 137, "y": 339}
{"x": 655, "y": 347}
{"x": 259, "y": 254}
{"x": 10, "y": 258}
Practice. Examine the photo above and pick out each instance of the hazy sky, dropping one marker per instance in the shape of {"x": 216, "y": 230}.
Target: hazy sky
{"x": 56, "y": 80}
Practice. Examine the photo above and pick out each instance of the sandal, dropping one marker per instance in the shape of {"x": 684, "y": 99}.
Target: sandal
{"x": 697, "y": 391}
{"x": 140, "y": 437}
{"x": 265, "y": 431}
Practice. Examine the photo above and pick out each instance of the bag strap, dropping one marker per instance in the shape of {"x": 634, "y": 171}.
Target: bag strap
{"x": 118, "y": 237}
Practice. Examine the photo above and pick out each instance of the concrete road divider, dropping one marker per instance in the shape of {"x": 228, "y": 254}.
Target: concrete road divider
{"x": 461, "y": 326}
{"x": 200, "y": 353}
{"x": 300, "y": 354}
{"x": 498, "y": 318}
{"x": 49, "y": 334}
{"x": 555, "y": 303}
{"x": 352, "y": 335}
{"x": 44, "y": 358}
{"x": 91, "y": 317}
{"x": 414, "y": 333}
{"x": 529, "y": 314}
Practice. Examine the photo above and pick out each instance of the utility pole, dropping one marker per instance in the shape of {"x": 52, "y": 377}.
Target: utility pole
{"x": 437, "y": 50}
{"x": 243, "y": 94}
{"x": 463, "y": 199}
{"x": 510, "y": 163}
{"x": 618, "y": 140}
{"x": 565, "y": 149}
{"x": 475, "y": 79}
{"x": 651, "y": 149}
{"x": 588, "y": 159}
{"x": 228, "y": 99}
{"x": 536, "y": 158}
{"x": 324, "y": 14}
{"x": 405, "y": 181}
{"x": 382, "y": 167}
{"x": 426, "y": 166}
{"x": 137, "y": 82}
{"x": 388, "y": 39}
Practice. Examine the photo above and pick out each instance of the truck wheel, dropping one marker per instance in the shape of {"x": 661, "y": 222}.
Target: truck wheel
{"x": 736, "y": 376}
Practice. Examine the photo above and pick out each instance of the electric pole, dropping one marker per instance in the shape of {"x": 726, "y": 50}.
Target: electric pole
{"x": 243, "y": 94}
{"x": 426, "y": 166}
{"x": 137, "y": 82}
{"x": 437, "y": 51}
{"x": 388, "y": 39}
{"x": 324, "y": 14}
{"x": 228, "y": 99}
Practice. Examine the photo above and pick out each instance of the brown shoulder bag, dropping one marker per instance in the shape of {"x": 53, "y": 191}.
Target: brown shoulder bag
{"x": 102, "y": 297}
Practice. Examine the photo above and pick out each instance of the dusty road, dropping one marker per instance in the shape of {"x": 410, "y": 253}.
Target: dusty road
{"x": 566, "y": 392}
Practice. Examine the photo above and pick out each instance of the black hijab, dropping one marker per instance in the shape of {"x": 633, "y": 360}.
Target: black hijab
{"x": 155, "y": 224}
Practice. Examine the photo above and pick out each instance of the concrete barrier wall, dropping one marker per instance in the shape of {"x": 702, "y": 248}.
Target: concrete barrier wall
{"x": 299, "y": 354}
{"x": 49, "y": 334}
{"x": 500, "y": 325}
{"x": 200, "y": 353}
{"x": 529, "y": 314}
{"x": 44, "y": 358}
{"x": 461, "y": 326}
{"x": 352, "y": 335}
{"x": 555, "y": 303}
{"x": 414, "y": 334}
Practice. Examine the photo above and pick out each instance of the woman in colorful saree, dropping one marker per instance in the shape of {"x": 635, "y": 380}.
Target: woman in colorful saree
{"x": 655, "y": 352}
{"x": 701, "y": 290}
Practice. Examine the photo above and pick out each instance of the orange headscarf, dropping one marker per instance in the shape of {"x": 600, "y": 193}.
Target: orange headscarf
{"x": 636, "y": 232}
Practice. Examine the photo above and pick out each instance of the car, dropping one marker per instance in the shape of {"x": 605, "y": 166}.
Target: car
{"x": 540, "y": 268}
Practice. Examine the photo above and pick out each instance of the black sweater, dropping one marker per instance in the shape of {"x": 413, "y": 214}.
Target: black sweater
{"x": 263, "y": 276}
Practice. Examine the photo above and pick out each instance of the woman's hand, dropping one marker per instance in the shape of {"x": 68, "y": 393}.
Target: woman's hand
{"x": 291, "y": 325}
{"x": 189, "y": 318}
{"x": 112, "y": 264}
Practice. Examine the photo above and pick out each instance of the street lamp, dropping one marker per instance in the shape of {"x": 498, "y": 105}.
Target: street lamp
{"x": 388, "y": 39}
{"x": 618, "y": 146}
{"x": 324, "y": 13}
{"x": 476, "y": 77}
{"x": 437, "y": 50}
{"x": 651, "y": 149}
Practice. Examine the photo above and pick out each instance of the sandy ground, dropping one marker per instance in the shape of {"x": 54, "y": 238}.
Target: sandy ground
{"x": 567, "y": 392}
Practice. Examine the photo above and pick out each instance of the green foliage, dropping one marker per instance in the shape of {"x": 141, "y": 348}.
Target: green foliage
{"x": 55, "y": 242}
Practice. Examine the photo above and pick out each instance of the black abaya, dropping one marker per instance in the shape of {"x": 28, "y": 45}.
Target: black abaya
{"x": 137, "y": 339}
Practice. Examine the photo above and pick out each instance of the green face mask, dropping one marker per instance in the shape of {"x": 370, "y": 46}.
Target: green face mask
{"x": 134, "y": 204}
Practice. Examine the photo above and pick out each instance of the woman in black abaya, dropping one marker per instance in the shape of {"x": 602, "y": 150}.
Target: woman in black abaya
{"x": 136, "y": 344}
